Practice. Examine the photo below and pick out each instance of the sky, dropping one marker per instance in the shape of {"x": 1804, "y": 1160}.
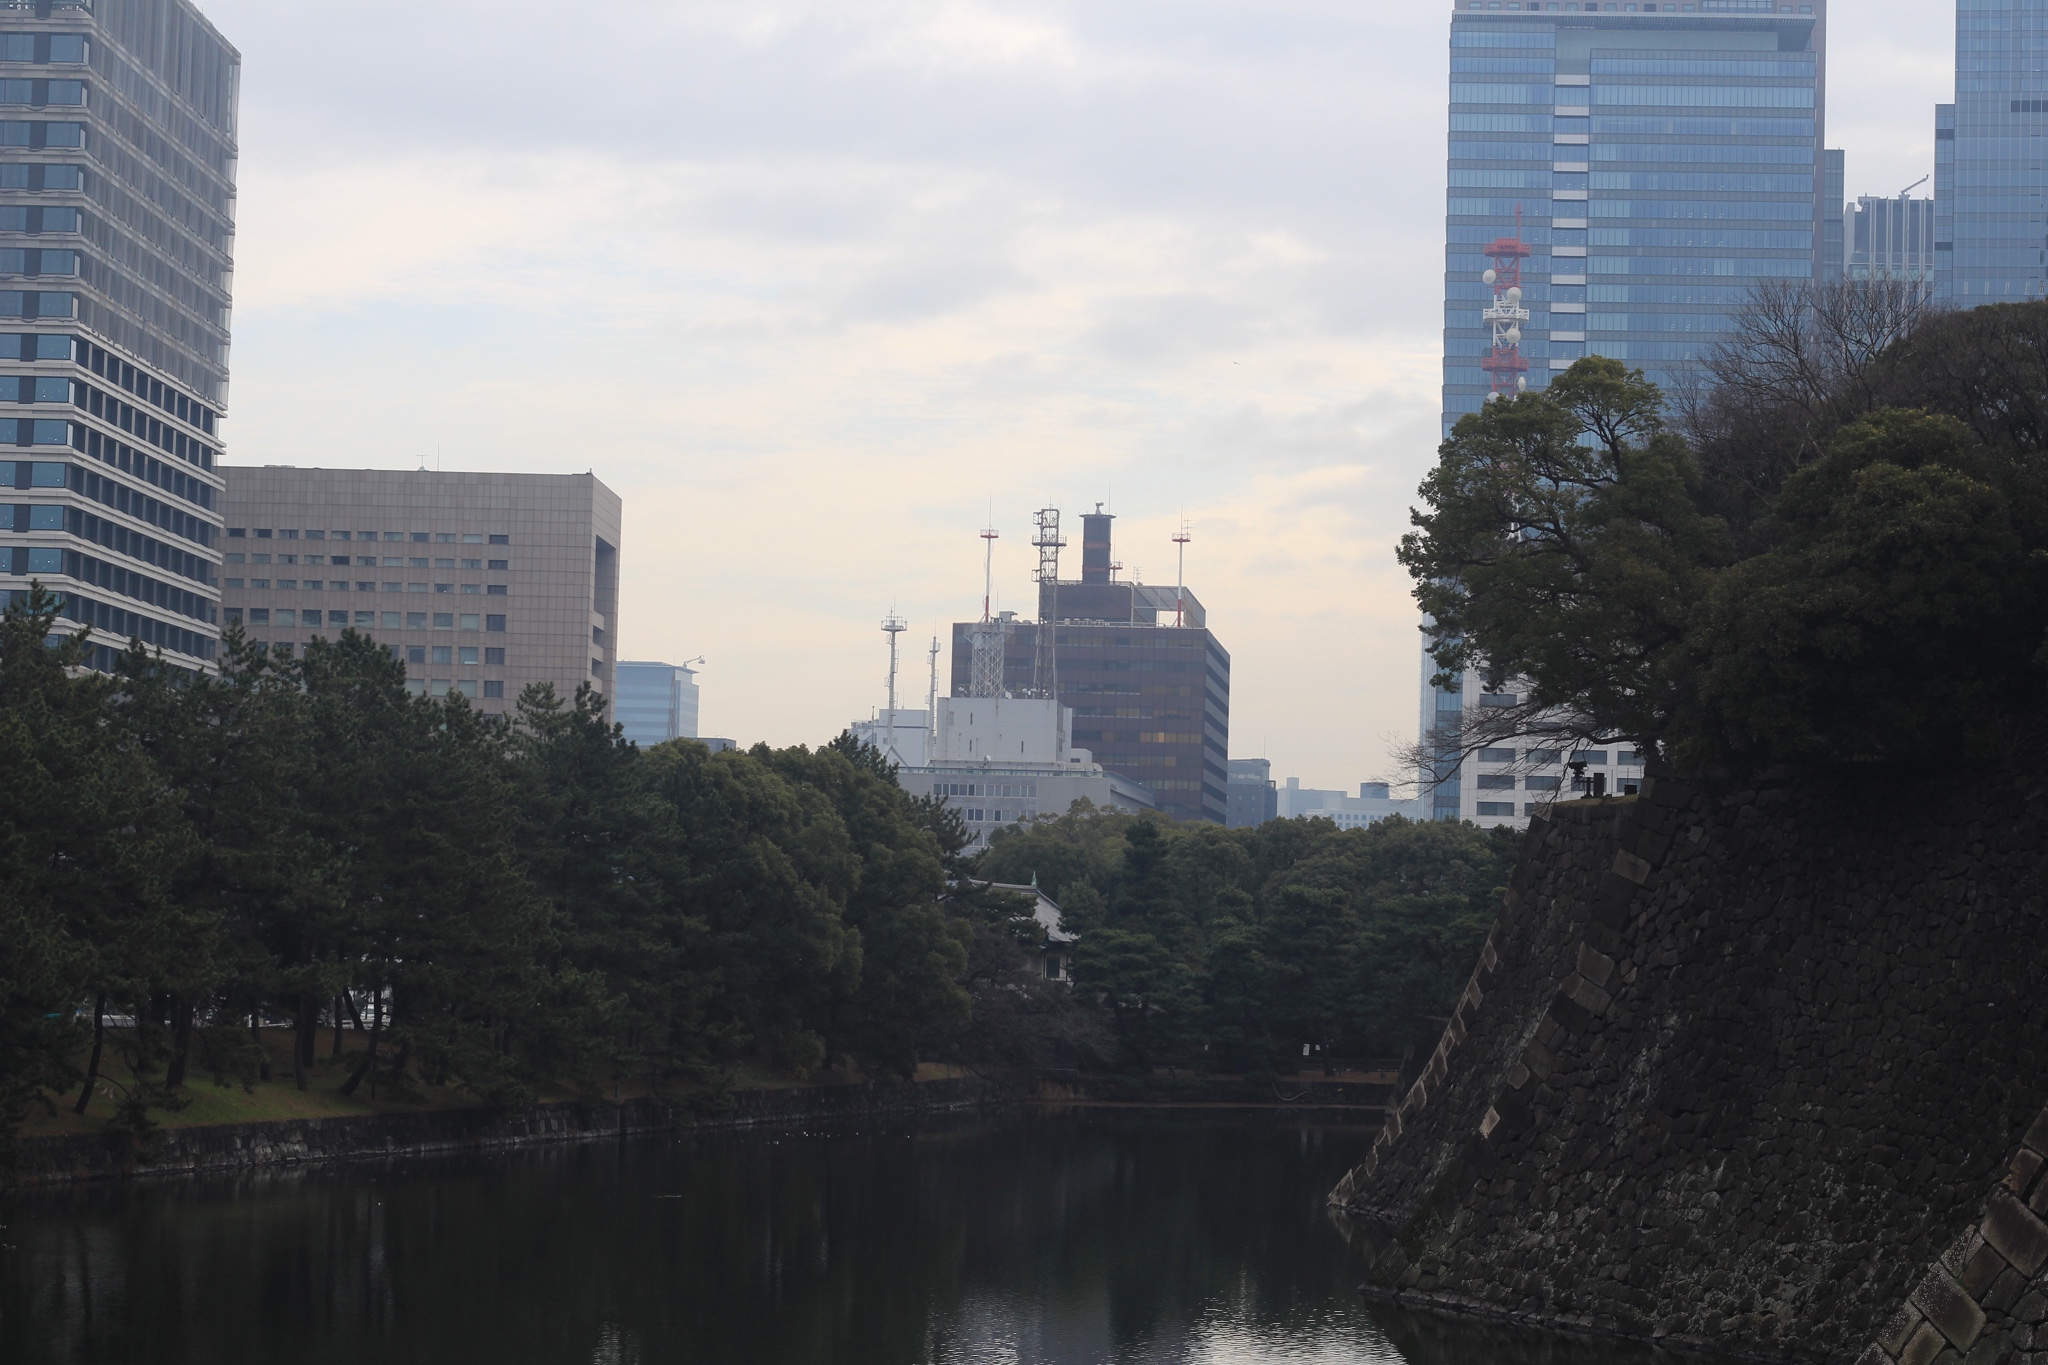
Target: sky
{"x": 822, "y": 289}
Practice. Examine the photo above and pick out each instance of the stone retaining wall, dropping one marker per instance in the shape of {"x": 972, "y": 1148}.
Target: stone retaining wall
{"x": 236, "y": 1146}
{"x": 1735, "y": 1073}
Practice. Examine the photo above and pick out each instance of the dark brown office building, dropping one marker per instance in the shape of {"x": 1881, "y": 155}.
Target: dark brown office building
{"x": 1151, "y": 699}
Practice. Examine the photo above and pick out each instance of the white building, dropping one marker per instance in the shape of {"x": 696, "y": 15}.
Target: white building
{"x": 1350, "y": 812}
{"x": 1504, "y": 784}
{"x": 999, "y": 760}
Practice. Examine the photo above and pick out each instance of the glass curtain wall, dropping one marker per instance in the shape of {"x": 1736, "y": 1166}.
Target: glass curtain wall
{"x": 1664, "y": 161}
{"x": 1991, "y": 238}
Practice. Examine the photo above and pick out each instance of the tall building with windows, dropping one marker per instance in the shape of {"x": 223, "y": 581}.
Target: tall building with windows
{"x": 481, "y": 583}
{"x": 1991, "y": 243}
{"x": 1893, "y": 239}
{"x": 1657, "y": 162}
{"x": 655, "y": 702}
{"x": 1148, "y": 682}
{"x": 117, "y": 192}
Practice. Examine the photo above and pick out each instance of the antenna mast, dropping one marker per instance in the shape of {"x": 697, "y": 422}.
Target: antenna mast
{"x": 988, "y": 569}
{"x": 1045, "y": 671}
{"x": 1180, "y": 573}
{"x": 931, "y": 698}
{"x": 1504, "y": 365}
{"x": 895, "y": 626}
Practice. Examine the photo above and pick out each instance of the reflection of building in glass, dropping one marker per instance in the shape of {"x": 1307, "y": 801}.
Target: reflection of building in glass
{"x": 1989, "y": 242}
{"x": 117, "y": 221}
{"x": 655, "y": 702}
{"x": 1665, "y": 163}
{"x": 1893, "y": 239}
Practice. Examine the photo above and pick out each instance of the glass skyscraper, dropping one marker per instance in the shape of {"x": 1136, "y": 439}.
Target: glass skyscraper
{"x": 117, "y": 191}
{"x": 1991, "y": 241}
{"x": 1622, "y": 178}
{"x": 1658, "y": 160}
{"x": 655, "y": 702}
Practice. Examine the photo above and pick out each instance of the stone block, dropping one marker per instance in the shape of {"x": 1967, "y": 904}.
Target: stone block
{"x": 2026, "y": 1164}
{"x": 1898, "y": 1329}
{"x": 2037, "y": 1136}
{"x": 2019, "y": 1236}
{"x": 1950, "y": 1309}
{"x": 1596, "y": 967}
{"x": 1981, "y": 1271}
{"x": 1568, "y": 1013}
{"x": 1925, "y": 1345}
{"x": 1991, "y": 1349}
{"x": 1874, "y": 1354}
{"x": 1589, "y": 996}
{"x": 2005, "y": 1291}
{"x": 1628, "y": 865}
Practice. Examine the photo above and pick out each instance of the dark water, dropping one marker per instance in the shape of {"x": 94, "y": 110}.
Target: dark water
{"x": 1044, "y": 1238}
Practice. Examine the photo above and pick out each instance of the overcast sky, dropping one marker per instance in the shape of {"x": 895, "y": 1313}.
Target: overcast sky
{"x": 813, "y": 286}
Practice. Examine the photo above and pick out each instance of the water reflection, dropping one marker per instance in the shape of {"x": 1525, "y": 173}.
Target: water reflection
{"x": 1064, "y": 1238}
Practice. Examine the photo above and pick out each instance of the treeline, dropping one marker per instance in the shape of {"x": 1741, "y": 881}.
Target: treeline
{"x": 492, "y": 904}
{"x": 1232, "y": 949}
{"x": 1835, "y": 554}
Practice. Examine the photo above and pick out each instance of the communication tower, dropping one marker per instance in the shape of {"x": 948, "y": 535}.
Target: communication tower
{"x": 988, "y": 569}
{"x": 1045, "y": 669}
{"x": 1504, "y": 364}
{"x": 1180, "y": 572}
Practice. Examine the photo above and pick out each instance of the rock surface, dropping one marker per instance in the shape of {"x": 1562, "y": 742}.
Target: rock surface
{"x": 1744, "y": 1073}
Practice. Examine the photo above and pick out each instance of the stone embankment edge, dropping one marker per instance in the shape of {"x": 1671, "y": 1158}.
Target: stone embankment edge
{"x": 1991, "y": 1287}
{"x": 292, "y": 1142}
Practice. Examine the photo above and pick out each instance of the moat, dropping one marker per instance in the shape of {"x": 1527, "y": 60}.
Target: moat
{"x": 1067, "y": 1237}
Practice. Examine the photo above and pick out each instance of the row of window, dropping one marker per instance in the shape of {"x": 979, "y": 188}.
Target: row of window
{"x": 31, "y": 303}
{"x": 154, "y": 392}
{"x": 41, "y": 175}
{"x": 113, "y": 535}
{"x": 365, "y": 561}
{"x": 31, "y": 261}
{"x": 42, "y": 47}
{"x": 39, "y": 559}
{"x": 1631, "y": 7}
{"x": 40, "y": 94}
{"x": 362, "y": 585}
{"x": 118, "y": 623}
{"x": 40, "y": 133}
{"x": 37, "y": 219}
{"x": 119, "y": 496}
{"x": 142, "y": 465}
{"x": 366, "y": 620}
{"x": 1024, "y": 790}
{"x": 415, "y": 537}
{"x": 1594, "y": 757}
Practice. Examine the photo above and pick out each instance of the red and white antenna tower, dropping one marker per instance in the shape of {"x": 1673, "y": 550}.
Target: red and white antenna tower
{"x": 1504, "y": 364}
{"x": 1180, "y": 572}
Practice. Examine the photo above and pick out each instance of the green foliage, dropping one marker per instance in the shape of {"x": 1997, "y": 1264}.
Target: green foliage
{"x": 1880, "y": 601}
{"x": 1233, "y": 948}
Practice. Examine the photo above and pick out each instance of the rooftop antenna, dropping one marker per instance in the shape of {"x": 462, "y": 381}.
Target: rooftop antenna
{"x": 931, "y": 697}
{"x": 1180, "y": 573}
{"x": 989, "y": 535}
{"x": 895, "y": 626}
{"x": 1914, "y": 186}
{"x": 1045, "y": 670}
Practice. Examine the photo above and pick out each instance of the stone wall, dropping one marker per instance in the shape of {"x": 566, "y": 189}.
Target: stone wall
{"x": 237, "y": 1146}
{"x": 1735, "y": 1072}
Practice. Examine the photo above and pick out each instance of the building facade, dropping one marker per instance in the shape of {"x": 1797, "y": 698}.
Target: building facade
{"x": 117, "y": 190}
{"x": 1654, "y": 162}
{"x": 1893, "y": 239}
{"x": 998, "y": 761}
{"x": 655, "y": 702}
{"x": 1991, "y": 245}
{"x": 1148, "y": 682}
{"x": 1374, "y": 802}
{"x": 1250, "y": 796}
{"x": 481, "y": 583}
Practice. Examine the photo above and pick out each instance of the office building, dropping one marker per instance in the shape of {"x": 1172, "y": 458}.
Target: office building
{"x": 1148, "y": 682}
{"x": 998, "y": 760}
{"x": 1621, "y": 179}
{"x": 655, "y": 702}
{"x": 1893, "y": 239}
{"x": 1374, "y": 802}
{"x": 1990, "y": 243}
{"x": 117, "y": 188}
{"x": 1250, "y": 800}
{"x": 1834, "y": 259}
{"x": 481, "y": 583}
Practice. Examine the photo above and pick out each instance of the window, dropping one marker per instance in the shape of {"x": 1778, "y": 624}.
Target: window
{"x": 1595, "y": 757}
{"x": 238, "y": 532}
{"x": 444, "y": 587}
{"x": 416, "y": 686}
{"x": 438, "y": 688}
{"x": 390, "y": 619}
{"x": 236, "y": 557}
{"x": 1496, "y": 808}
{"x": 365, "y": 587}
{"x": 415, "y": 587}
{"x": 473, "y": 589}
{"x": 444, "y": 620}
{"x": 469, "y": 654}
{"x": 443, "y": 654}
{"x": 415, "y": 654}
{"x": 501, "y": 540}
{"x": 416, "y": 563}
{"x": 494, "y": 623}
{"x": 469, "y": 620}
{"x": 1496, "y": 755}
{"x": 1498, "y": 782}
{"x": 493, "y": 690}
{"x": 1543, "y": 784}
{"x": 472, "y": 563}
{"x": 1545, "y": 755}
{"x": 1629, "y": 756}
{"x": 1498, "y": 699}
{"x": 467, "y": 687}
{"x": 365, "y": 619}
{"x": 472, "y": 538}
{"x": 420, "y": 537}
{"x": 444, "y": 537}
{"x": 388, "y": 535}
{"x": 444, "y": 563}
{"x": 495, "y": 655}
{"x": 495, "y": 590}
{"x": 415, "y": 620}
{"x": 259, "y": 616}
{"x": 501, "y": 565}
{"x": 259, "y": 582}
{"x": 337, "y": 618}
{"x": 232, "y": 582}
{"x": 339, "y": 535}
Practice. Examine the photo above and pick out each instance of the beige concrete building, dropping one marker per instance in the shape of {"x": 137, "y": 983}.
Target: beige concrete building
{"x": 482, "y": 583}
